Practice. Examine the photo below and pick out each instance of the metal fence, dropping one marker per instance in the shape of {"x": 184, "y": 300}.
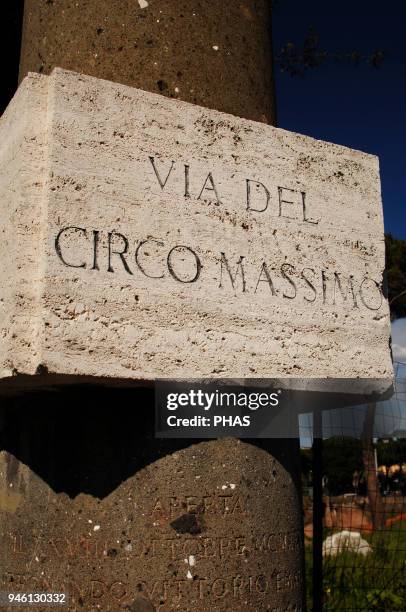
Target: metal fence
{"x": 354, "y": 483}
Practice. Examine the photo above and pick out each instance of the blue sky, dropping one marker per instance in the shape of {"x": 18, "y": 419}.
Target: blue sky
{"x": 399, "y": 344}
{"x": 391, "y": 414}
{"x": 359, "y": 107}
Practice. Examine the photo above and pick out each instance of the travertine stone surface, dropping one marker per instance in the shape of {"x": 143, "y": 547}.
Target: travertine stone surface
{"x": 193, "y": 531}
{"x": 23, "y": 171}
{"x": 217, "y": 54}
{"x": 144, "y": 237}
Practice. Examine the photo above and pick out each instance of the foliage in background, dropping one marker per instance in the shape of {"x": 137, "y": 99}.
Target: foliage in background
{"x": 391, "y": 452}
{"x": 306, "y": 459}
{"x": 296, "y": 59}
{"x": 341, "y": 456}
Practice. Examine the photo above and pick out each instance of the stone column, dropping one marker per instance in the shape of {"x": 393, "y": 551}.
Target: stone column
{"x": 92, "y": 505}
{"x": 89, "y": 502}
{"x": 216, "y": 54}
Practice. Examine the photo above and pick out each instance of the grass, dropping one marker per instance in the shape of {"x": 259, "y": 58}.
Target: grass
{"x": 374, "y": 583}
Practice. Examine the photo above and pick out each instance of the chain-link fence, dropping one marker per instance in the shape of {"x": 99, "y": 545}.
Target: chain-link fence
{"x": 362, "y": 501}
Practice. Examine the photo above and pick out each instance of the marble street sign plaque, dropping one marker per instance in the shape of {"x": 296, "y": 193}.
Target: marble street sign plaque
{"x": 143, "y": 237}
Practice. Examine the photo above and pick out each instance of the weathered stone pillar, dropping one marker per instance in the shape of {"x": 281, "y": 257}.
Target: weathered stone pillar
{"x": 214, "y": 526}
{"x": 216, "y": 54}
{"x": 89, "y": 502}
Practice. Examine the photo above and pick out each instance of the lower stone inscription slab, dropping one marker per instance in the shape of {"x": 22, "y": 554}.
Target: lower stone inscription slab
{"x": 206, "y": 528}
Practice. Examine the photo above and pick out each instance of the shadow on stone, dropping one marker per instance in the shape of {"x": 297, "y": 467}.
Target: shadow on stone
{"x": 86, "y": 439}
{"x": 12, "y": 19}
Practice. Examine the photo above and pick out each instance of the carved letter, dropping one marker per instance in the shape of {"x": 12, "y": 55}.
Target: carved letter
{"x": 172, "y": 271}
{"x": 288, "y": 278}
{"x": 337, "y": 283}
{"x": 282, "y": 201}
{"x": 240, "y": 268}
{"x": 212, "y": 188}
{"x": 187, "y": 181}
{"x": 96, "y": 241}
{"x": 324, "y": 285}
{"x": 120, "y": 253}
{"x": 118, "y": 590}
{"x": 268, "y": 195}
{"x": 160, "y": 181}
{"x": 305, "y": 218}
{"x": 361, "y": 293}
{"x": 312, "y": 287}
{"x": 58, "y": 246}
{"x": 137, "y": 257}
{"x": 219, "y": 588}
{"x": 267, "y": 279}
{"x": 97, "y": 588}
